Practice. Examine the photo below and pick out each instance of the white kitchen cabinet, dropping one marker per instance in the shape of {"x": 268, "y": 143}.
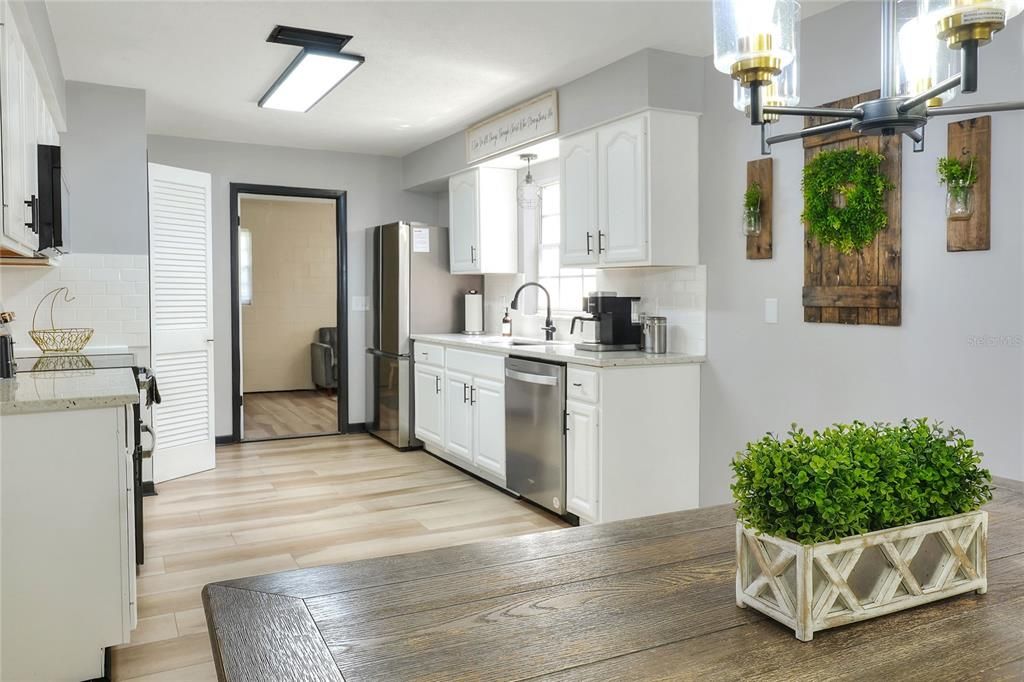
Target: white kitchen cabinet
{"x": 26, "y": 123}
{"x": 483, "y": 221}
{"x": 488, "y": 402}
{"x": 578, "y": 166}
{"x": 68, "y": 533}
{"x": 622, "y": 191}
{"x": 458, "y": 416}
{"x": 582, "y": 459}
{"x": 428, "y": 387}
{"x": 630, "y": 193}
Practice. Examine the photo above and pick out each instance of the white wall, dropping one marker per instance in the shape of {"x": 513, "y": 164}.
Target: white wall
{"x": 763, "y": 377}
{"x": 372, "y": 185}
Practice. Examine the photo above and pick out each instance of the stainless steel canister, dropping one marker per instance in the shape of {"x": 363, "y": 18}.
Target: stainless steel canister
{"x": 655, "y": 334}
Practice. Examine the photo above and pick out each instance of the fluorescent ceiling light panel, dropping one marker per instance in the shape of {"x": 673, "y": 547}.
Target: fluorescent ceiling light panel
{"x": 308, "y": 79}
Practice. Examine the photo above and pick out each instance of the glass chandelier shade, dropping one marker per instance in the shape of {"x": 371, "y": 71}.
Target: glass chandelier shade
{"x": 529, "y": 191}
{"x": 924, "y": 59}
{"x": 956, "y": 21}
{"x": 783, "y": 91}
{"x": 754, "y": 39}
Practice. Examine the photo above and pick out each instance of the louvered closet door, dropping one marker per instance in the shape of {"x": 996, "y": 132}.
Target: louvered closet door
{"x": 181, "y": 292}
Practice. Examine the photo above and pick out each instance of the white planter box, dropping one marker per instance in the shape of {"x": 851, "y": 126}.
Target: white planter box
{"x": 816, "y": 587}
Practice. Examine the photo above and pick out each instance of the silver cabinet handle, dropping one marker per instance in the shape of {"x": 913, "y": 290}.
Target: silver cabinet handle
{"x": 590, "y": 238}
{"x": 577, "y": 385}
{"x": 531, "y": 378}
{"x": 600, "y": 242}
{"x": 437, "y": 384}
{"x": 472, "y": 254}
{"x": 465, "y": 393}
{"x": 472, "y": 395}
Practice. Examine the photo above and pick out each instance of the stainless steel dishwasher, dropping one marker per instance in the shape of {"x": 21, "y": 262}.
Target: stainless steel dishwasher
{"x": 535, "y": 431}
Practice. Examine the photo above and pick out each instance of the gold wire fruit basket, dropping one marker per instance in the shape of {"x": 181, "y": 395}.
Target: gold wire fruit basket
{"x": 59, "y": 339}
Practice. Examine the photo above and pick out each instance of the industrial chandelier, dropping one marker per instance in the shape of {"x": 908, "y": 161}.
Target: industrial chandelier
{"x": 929, "y": 55}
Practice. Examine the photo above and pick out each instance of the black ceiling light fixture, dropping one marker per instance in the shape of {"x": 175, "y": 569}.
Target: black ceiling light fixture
{"x": 314, "y": 72}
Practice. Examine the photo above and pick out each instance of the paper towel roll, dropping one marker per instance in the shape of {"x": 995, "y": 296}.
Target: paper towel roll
{"x": 474, "y": 313}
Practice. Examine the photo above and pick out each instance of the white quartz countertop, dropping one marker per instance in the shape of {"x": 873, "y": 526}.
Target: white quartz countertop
{"x": 80, "y": 389}
{"x": 558, "y": 352}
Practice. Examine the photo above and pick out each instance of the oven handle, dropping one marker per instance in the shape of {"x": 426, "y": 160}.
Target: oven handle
{"x": 531, "y": 378}
{"x": 146, "y": 428}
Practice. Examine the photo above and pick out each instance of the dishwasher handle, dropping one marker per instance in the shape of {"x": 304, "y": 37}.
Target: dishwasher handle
{"x": 542, "y": 379}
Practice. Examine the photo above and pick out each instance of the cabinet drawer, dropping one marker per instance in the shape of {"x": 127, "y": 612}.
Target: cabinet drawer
{"x": 486, "y": 365}
{"x": 583, "y": 385}
{"x": 428, "y": 354}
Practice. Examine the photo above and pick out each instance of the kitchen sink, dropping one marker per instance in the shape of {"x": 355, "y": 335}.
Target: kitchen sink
{"x": 523, "y": 342}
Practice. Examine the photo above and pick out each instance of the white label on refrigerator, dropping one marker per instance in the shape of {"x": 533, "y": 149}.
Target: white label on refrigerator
{"x": 421, "y": 240}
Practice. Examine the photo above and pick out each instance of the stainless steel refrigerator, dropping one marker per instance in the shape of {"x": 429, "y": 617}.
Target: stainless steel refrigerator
{"x": 410, "y": 291}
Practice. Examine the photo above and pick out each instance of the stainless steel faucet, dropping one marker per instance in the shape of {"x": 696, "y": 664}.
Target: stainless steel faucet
{"x": 549, "y": 324}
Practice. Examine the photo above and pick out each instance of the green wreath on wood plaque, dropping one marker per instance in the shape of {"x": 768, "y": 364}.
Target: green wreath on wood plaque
{"x": 844, "y": 198}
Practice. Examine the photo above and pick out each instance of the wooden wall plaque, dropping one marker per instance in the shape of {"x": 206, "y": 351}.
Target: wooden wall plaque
{"x": 760, "y": 171}
{"x": 861, "y": 287}
{"x": 973, "y": 136}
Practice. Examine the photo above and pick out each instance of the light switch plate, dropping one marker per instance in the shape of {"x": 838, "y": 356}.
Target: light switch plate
{"x": 360, "y": 304}
{"x": 771, "y": 310}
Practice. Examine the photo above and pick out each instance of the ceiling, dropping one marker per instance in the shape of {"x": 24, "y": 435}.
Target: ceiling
{"x": 432, "y": 68}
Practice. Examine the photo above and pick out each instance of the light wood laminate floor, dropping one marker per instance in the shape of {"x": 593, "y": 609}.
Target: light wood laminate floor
{"x": 280, "y": 505}
{"x": 289, "y": 413}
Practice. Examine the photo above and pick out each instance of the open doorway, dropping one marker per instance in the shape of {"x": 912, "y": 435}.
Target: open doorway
{"x": 289, "y": 350}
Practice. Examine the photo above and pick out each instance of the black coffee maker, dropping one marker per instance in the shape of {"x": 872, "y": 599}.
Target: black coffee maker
{"x": 612, "y": 323}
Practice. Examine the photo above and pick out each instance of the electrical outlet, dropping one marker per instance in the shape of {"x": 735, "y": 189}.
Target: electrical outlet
{"x": 771, "y": 310}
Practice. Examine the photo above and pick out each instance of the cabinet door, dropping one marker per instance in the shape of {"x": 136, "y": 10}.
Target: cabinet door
{"x": 464, "y": 222}
{"x": 429, "y": 397}
{"x": 578, "y": 166}
{"x": 13, "y": 165}
{"x": 488, "y": 399}
{"x": 458, "y": 416}
{"x": 622, "y": 191}
{"x": 582, "y": 460}
{"x": 30, "y": 120}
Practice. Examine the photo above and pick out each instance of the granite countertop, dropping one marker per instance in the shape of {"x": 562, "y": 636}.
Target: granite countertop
{"x": 559, "y": 351}
{"x": 79, "y": 389}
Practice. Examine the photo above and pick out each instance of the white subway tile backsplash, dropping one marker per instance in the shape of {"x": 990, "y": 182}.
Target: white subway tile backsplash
{"x": 110, "y": 294}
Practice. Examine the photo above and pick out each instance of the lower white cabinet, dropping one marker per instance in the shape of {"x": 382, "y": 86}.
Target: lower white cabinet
{"x": 582, "y": 459}
{"x": 428, "y": 389}
{"x": 68, "y": 559}
{"x": 460, "y": 408}
{"x": 487, "y": 399}
{"x": 458, "y": 416}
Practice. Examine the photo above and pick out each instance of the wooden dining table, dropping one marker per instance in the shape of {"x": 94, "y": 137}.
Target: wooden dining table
{"x": 649, "y": 598}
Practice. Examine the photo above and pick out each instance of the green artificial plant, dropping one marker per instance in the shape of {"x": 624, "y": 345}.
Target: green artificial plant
{"x": 851, "y": 479}
{"x": 958, "y": 175}
{"x": 752, "y": 198}
{"x": 844, "y": 198}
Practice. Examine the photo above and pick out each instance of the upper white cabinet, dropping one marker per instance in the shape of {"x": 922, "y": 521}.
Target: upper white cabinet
{"x": 629, "y": 192}
{"x": 483, "y": 221}
{"x": 26, "y": 123}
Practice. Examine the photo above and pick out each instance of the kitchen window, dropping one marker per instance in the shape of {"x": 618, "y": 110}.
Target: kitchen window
{"x": 567, "y": 285}
{"x": 244, "y": 266}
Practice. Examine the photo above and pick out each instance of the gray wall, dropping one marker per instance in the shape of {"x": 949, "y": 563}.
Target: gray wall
{"x": 762, "y": 377}
{"x": 104, "y": 157}
{"x": 648, "y": 78}
{"x": 372, "y": 185}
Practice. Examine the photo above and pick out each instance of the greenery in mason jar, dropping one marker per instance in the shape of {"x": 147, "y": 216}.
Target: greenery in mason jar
{"x": 958, "y": 176}
{"x": 752, "y": 199}
{"x": 844, "y": 198}
{"x": 851, "y": 479}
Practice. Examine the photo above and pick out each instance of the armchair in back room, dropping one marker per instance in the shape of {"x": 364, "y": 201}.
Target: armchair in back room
{"x": 324, "y": 359}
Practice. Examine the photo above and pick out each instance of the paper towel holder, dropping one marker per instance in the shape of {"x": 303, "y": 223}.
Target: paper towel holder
{"x": 474, "y": 313}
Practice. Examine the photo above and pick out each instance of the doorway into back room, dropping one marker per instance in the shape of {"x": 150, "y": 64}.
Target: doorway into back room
{"x": 288, "y": 305}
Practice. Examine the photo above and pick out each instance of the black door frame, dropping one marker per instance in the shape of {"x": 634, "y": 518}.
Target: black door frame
{"x": 341, "y": 214}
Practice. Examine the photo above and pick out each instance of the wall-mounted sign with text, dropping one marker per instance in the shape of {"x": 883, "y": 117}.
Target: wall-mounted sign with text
{"x": 513, "y": 127}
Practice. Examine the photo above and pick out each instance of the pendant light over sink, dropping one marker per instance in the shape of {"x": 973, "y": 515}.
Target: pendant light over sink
{"x": 529, "y": 190}
{"x": 929, "y": 54}
{"x": 314, "y": 72}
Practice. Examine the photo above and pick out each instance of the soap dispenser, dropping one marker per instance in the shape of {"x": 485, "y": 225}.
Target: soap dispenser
{"x": 506, "y": 321}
